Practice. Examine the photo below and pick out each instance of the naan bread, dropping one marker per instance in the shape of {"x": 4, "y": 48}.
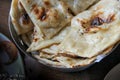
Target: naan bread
{"x": 93, "y": 30}
{"x": 69, "y": 62}
{"x": 35, "y": 46}
{"x": 63, "y": 61}
{"x": 50, "y": 16}
{"x": 92, "y": 33}
{"x": 74, "y": 62}
{"x": 49, "y": 62}
{"x": 77, "y": 6}
{"x": 79, "y": 62}
{"x": 19, "y": 18}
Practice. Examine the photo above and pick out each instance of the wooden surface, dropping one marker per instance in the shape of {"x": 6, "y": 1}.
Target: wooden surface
{"x": 36, "y": 71}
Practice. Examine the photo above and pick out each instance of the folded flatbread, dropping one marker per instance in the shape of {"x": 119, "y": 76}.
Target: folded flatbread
{"x": 65, "y": 61}
{"x": 93, "y": 30}
{"x": 49, "y": 16}
{"x": 35, "y": 46}
{"x": 44, "y": 26}
{"x": 19, "y": 18}
{"x": 77, "y": 6}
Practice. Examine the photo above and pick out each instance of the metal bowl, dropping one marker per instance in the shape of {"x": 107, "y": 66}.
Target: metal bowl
{"x": 20, "y": 44}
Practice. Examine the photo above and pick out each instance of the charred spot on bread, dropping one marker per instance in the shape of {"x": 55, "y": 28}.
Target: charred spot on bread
{"x": 95, "y": 23}
{"x": 40, "y": 12}
{"x": 47, "y": 3}
{"x": 25, "y": 19}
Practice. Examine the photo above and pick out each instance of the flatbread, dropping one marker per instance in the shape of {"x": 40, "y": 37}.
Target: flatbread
{"x": 69, "y": 62}
{"x": 80, "y": 62}
{"x": 66, "y": 61}
{"x": 93, "y": 30}
{"x": 49, "y": 62}
{"x": 50, "y": 16}
{"x": 57, "y": 16}
{"x": 19, "y": 18}
{"x": 77, "y": 6}
{"x": 46, "y": 43}
{"x": 91, "y": 35}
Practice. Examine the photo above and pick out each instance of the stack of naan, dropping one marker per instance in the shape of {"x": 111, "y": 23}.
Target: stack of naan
{"x": 67, "y": 33}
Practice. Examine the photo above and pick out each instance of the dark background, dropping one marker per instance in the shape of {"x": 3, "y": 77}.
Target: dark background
{"x": 36, "y": 71}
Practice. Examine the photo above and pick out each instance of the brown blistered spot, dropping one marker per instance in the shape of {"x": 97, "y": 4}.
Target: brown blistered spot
{"x": 110, "y": 18}
{"x": 39, "y": 12}
{"x": 43, "y": 15}
{"x": 85, "y": 23}
{"x": 33, "y": 7}
{"x": 93, "y": 24}
{"x": 28, "y": 1}
{"x": 25, "y": 19}
{"x": 92, "y": 29}
{"x": 47, "y": 3}
{"x": 97, "y": 21}
{"x": 35, "y": 39}
{"x": 36, "y": 10}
